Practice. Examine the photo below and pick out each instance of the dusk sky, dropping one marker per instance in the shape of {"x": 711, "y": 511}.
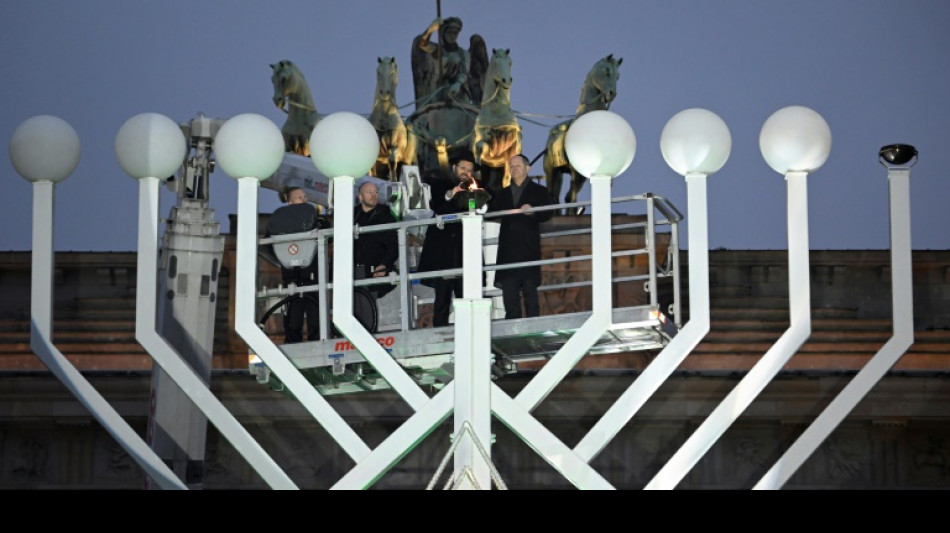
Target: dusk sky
{"x": 875, "y": 70}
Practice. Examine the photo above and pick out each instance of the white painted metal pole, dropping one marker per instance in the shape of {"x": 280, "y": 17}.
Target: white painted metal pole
{"x": 356, "y": 333}
{"x": 400, "y": 442}
{"x": 544, "y": 443}
{"x": 491, "y": 229}
{"x": 323, "y": 279}
{"x": 170, "y": 361}
{"x": 245, "y": 324}
{"x": 41, "y": 290}
{"x": 774, "y": 359}
{"x": 471, "y": 256}
{"x": 903, "y": 328}
{"x": 646, "y": 384}
{"x": 515, "y": 413}
{"x": 472, "y": 360}
{"x": 601, "y": 316}
{"x": 41, "y": 295}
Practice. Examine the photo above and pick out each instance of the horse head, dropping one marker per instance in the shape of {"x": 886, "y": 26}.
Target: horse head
{"x": 600, "y": 88}
{"x": 282, "y": 80}
{"x": 387, "y": 78}
{"x": 498, "y": 74}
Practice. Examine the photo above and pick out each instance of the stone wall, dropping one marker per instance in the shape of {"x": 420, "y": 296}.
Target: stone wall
{"x": 896, "y": 438}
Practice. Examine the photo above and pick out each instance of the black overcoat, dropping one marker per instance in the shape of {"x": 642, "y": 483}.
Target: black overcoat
{"x": 519, "y": 236}
{"x": 442, "y": 248}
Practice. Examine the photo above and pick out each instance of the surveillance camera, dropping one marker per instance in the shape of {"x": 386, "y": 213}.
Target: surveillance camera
{"x": 897, "y": 155}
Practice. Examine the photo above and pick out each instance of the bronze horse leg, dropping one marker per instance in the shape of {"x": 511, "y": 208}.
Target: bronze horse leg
{"x": 553, "y": 177}
{"x": 577, "y": 183}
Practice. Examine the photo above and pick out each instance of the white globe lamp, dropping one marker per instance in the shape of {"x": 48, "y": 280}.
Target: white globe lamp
{"x": 344, "y": 144}
{"x": 150, "y": 145}
{"x": 795, "y": 139}
{"x": 249, "y": 146}
{"x": 44, "y": 148}
{"x": 695, "y": 141}
{"x": 600, "y": 143}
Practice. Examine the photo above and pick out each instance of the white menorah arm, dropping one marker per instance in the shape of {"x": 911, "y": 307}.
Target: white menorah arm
{"x": 245, "y": 324}
{"x": 171, "y": 361}
{"x": 41, "y": 304}
{"x": 745, "y": 392}
{"x": 601, "y": 316}
{"x": 646, "y": 384}
{"x": 902, "y": 290}
{"x": 394, "y": 448}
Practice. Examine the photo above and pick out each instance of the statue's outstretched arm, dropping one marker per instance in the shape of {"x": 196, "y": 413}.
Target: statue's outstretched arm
{"x": 423, "y": 40}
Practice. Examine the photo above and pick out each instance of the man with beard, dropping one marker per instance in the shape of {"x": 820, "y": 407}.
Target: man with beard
{"x": 442, "y": 248}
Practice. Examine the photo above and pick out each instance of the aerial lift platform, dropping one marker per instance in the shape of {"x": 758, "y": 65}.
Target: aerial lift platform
{"x": 645, "y": 240}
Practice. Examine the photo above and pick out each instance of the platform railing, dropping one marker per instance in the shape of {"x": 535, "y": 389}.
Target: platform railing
{"x": 661, "y": 217}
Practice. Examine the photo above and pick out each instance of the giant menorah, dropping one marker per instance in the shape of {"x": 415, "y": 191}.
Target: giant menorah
{"x": 795, "y": 142}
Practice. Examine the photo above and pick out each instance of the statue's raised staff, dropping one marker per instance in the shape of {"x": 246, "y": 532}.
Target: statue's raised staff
{"x": 445, "y": 80}
{"x": 292, "y": 95}
{"x": 497, "y": 134}
{"x": 598, "y": 90}
{"x": 397, "y": 144}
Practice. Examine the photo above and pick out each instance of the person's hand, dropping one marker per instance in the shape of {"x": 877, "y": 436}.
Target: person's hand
{"x": 379, "y": 271}
{"x": 435, "y": 24}
{"x": 525, "y": 207}
{"x": 454, "y": 89}
{"x": 451, "y": 193}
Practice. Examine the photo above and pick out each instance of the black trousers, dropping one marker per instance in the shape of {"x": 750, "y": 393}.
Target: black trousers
{"x": 300, "y": 309}
{"x": 444, "y": 288}
{"x": 513, "y": 289}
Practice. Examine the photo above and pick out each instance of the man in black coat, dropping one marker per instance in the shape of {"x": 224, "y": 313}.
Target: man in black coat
{"x": 519, "y": 239}
{"x": 298, "y": 216}
{"x": 374, "y": 254}
{"x": 442, "y": 248}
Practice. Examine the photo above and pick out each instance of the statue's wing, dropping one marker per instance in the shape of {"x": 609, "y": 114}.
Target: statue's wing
{"x": 423, "y": 72}
{"x": 477, "y": 66}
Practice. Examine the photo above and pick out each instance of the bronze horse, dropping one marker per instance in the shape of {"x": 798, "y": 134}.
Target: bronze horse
{"x": 292, "y": 95}
{"x": 598, "y": 90}
{"x": 397, "y": 145}
{"x": 497, "y": 134}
